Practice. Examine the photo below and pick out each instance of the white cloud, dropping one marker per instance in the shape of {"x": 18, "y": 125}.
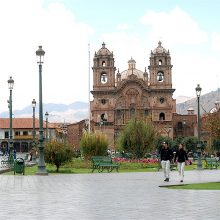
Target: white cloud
{"x": 25, "y": 25}
{"x": 190, "y": 70}
{"x": 215, "y": 41}
{"x": 123, "y": 27}
{"x": 186, "y": 42}
{"x": 125, "y": 46}
{"x": 192, "y": 60}
{"x": 173, "y": 27}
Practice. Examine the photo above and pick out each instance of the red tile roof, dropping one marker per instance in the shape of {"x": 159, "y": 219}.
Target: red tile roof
{"x": 24, "y": 123}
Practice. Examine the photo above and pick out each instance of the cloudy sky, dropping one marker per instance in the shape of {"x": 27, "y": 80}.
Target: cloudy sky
{"x": 189, "y": 29}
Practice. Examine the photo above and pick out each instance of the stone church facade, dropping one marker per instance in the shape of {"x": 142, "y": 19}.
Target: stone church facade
{"x": 119, "y": 96}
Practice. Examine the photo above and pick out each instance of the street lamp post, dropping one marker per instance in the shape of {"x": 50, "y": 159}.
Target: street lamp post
{"x": 34, "y": 133}
{"x": 198, "y": 93}
{"x": 41, "y": 163}
{"x": 46, "y": 115}
{"x": 10, "y": 86}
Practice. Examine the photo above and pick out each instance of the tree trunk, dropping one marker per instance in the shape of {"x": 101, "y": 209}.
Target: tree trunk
{"x": 58, "y": 166}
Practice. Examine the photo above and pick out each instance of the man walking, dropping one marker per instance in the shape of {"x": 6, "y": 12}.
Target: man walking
{"x": 166, "y": 155}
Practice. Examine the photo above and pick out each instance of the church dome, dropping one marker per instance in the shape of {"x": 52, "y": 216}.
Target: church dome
{"x": 132, "y": 70}
{"x": 159, "y": 49}
{"x": 103, "y": 51}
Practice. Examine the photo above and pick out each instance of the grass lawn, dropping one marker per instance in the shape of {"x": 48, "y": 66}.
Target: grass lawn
{"x": 80, "y": 166}
{"x": 64, "y": 170}
{"x": 69, "y": 170}
{"x": 198, "y": 186}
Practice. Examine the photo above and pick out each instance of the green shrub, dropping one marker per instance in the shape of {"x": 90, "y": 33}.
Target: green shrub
{"x": 137, "y": 137}
{"x": 78, "y": 163}
{"x": 58, "y": 153}
{"x": 93, "y": 144}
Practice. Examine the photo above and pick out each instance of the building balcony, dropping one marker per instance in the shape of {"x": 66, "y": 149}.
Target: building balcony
{"x": 23, "y": 137}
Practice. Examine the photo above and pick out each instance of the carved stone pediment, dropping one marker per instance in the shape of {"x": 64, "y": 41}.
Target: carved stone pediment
{"x": 132, "y": 76}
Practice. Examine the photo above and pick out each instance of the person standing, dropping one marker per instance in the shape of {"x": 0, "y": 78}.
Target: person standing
{"x": 181, "y": 158}
{"x": 166, "y": 155}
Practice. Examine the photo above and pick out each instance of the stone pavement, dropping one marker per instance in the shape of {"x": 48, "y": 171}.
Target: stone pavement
{"x": 103, "y": 196}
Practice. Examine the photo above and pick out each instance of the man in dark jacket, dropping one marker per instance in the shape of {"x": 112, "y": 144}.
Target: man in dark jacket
{"x": 166, "y": 155}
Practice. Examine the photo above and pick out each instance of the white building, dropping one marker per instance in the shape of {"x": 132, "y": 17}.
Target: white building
{"x": 22, "y": 133}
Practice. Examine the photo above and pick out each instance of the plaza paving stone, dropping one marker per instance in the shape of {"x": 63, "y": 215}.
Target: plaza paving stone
{"x": 107, "y": 196}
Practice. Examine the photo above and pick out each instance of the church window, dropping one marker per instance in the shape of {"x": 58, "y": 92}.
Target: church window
{"x": 162, "y": 116}
{"x": 146, "y": 112}
{"x": 103, "y": 63}
{"x": 162, "y": 100}
{"x": 103, "y": 117}
{"x": 118, "y": 113}
{"x": 180, "y": 125}
{"x": 132, "y": 112}
{"x": 103, "y": 101}
{"x": 160, "y": 62}
{"x": 103, "y": 78}
{"x": 160, "y": 76}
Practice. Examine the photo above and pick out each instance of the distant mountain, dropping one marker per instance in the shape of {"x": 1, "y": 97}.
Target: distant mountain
{"x": 180, "y": 99}
{"x": 79, "y": 110}
{"x": 207, "y": 103}
{"x": 57, "y": 112}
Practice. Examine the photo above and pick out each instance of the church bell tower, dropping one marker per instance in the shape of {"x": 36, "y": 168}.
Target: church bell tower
{"x": 162, "y": 102}
{"x": 103, "y": 69}
{"x": 102, "y": 106}
{"x": 160, "y": 68}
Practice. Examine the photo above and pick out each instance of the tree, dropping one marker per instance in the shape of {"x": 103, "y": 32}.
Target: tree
{"x": 93, "y": 144}
{"x": 176, "y": 142}
{"x": 191, "y": 143}
{"x": 216, "y": 145}
{"x": 137, "y": 137}
{"x": 58, "y": 153}
{"x": 212, "y": 124}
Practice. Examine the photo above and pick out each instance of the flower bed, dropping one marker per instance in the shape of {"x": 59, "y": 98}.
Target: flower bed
{"x": 136, "y": 163}
{"x": 139, "y": 163}
{"x": 144, "y": 160}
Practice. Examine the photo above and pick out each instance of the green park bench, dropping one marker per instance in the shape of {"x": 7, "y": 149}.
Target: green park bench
{"x": 102, "y": 162}
{"x": 211, "y": 163}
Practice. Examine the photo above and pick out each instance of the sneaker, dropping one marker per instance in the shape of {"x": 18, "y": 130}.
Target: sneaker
{"x": 166, "y": 180}
{"x": 181, "y": 181}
